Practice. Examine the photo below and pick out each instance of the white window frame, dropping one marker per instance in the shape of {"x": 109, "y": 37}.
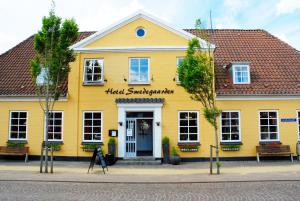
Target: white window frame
{"x": 129, "y": 65}
{"x": 234, "y": 66}
{"x": 84, "y": 72}
{"x": 9, "y": 134}
{"x": 198, "y": 127}
{"x": 83, "y": 118}
{"x": 177, "y": 65}
{"x": 62, "y": 127}
{"x": 240, "y": 132}
{"x": 298, "y": 123}
{"x": 278, "y": 130}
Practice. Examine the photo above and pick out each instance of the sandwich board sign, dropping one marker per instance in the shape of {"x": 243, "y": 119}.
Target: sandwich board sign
{"x": 98, "y": 155}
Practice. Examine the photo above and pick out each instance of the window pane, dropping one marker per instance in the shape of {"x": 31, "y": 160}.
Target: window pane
{"x": 14, "y": 128}
{"x": 235, "y": 136}
{"x": 225, "y": 129}
{"x": 264, "y": 129}
{"x": 13, "y": 135}
{"x": 14, "y": 121}
{"x": 89, "y": 70}
{"x": 23, "y": 115}
{"x": 273, "y": 128}
{"x": 88, "y": 129}
{"x": 225, "y": 122}
{"x": 97, "y": 77}
{"x": 225, "y": 115}
{"x": 234, "y": 115}
{"x": 97, "y": 70}
{"x": 193, "y": 137}
{"x": 272, "y": 121}
{"x": 88, "y": 122}
{"x": 273, "y": 136}
{"x": 183, "y": 129}
{"x": 22, "y": 135}
{"x": 183, "y": 115}
{"x": 193, "y": 130}
{"x": 57, "y": 136}
{"x": 225, "y": 137}
{"x": 97, "y": 137}
{"x": 272, "y": 115}
{"x": 57, "y": 129}
{"x": 96, "y": 129}
{"x": 57, "y": 122}
{"x": 97, "y": 122}
{"x": 234, "y": 129}
{"x": 264, "y": 136}
{"x": 264, "y": 122}
{"x": 97, "y": 115}
{"x": 193, "y": 122}
{"x": 22, "y": 128}
{"x": 14, "y": 115}
{"x": 87, "y": 137}
{"x": 183, "y": 122}
{"x": 193, "y": 115}
{"x": 183, "y": 137}
{"x": 87, "y": 115}
{"x": 234, "y": 122}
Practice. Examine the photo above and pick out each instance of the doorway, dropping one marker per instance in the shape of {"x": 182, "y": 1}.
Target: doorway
{"x": 139, "y": 134}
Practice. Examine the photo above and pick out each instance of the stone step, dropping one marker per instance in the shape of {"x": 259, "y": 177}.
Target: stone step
{"x": 138, "y": 161}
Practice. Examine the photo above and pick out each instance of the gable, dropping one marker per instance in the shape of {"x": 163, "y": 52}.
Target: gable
{"x": 123, "y": 34}
{"x": 126, "y": 36}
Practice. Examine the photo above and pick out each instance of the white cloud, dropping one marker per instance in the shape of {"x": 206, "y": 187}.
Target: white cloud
{"x": 287, "y": 6}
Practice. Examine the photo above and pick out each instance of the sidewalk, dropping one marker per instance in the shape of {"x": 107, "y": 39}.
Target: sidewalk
{"x": 186, "y": 172}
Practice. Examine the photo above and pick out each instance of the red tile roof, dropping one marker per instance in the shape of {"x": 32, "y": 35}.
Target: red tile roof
{"x": 274, "y": 65}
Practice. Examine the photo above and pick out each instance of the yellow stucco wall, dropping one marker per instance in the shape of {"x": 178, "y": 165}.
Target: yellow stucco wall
{"x": 162, "y": 71}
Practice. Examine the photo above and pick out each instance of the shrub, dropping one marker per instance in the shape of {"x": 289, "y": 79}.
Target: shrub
{"x": 165, "y": 140}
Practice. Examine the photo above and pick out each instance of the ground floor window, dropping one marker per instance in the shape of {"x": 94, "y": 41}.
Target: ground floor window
{"x": 188, "y": 126}
{"x": 268, "y": 125}
{"x": 230, "y": 126}
{"x": 18, "y": 125}
{"x": 92, "y": 126}
{"x": 55, "y": 126}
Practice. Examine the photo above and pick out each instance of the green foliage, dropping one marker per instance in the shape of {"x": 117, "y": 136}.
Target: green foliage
{"x": 55, "y": 146}
{"x": 231, "y": 146}
{"x": 52, "y": 52}
{"x": 219, "y": 164}
{"x": 15, "y": 144}
{"x": 165, "y": 140}
{"x": 211, "y": 114}
{"x": 90, "y": 146}
{"x": 173, "y": 151}
{"x": 112, "y": 140}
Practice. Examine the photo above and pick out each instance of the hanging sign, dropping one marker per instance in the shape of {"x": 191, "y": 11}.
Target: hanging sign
{"x": 129, "y": 132}
{"x": 288, "y": 119}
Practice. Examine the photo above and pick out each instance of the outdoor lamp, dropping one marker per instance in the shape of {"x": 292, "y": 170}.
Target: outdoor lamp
{"x": 157, "y": 123}
{"x": 120, "y": 123}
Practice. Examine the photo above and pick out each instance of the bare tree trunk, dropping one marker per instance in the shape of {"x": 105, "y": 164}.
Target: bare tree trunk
{"x": 46, "y": 128}
{"x": 217, "y": 151}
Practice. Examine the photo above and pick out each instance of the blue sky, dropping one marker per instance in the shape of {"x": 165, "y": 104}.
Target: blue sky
{"x": 20, "y": 19}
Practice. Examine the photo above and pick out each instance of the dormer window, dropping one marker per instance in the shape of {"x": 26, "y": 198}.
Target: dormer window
{"x": 241, "y": 74}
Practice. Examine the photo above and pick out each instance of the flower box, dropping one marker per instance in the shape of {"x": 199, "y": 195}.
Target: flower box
{"x": 230, "y": 147}
{"x": 187, "y": 147}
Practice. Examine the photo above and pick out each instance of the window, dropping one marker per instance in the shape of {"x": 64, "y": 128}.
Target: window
{"x": 268, "y": 122}
{"x": 178, "y": 63}
{"x": 241, "y": 74}
{"x": 92, "y": 126}
{"x": 93, "y": 70}
{"x": 298, "y": 119}
{"x": 188, "y": 126}
{"x": 139, "y": 70}
{"x": 230, "y": 126}
{"x": 55, "y": 126}
{"x": 18, "y": 125}
{"x": 140, "y": 32}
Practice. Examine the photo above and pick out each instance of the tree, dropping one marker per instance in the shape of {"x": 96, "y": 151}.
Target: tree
{"x": 196, "y": 75}
{"x": 50, "y": 67}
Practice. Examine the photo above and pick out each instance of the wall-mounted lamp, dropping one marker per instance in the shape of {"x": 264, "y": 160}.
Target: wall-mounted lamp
{"x": 157, "y": 123}
{"x": 120, "y": 123}
{"x": 174, "y": 79}
{"x": 152, "y": 78}
{"x": 105, "y": 80}
{"x": 124, "y": 78}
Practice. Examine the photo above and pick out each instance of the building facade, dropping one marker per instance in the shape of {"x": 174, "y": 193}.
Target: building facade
{"x": 124, "y": 83}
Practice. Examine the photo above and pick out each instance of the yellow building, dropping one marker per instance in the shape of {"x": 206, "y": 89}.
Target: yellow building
{"x": 124, "y": 82}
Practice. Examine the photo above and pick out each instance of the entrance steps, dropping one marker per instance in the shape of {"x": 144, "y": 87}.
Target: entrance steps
{"x": 144, "y": 160}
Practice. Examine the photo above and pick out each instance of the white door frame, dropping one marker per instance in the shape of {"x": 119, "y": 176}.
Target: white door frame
{"x": 129, "y": 107}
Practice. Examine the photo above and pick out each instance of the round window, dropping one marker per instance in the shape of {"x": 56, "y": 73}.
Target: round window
{"x": 140, "y": 32}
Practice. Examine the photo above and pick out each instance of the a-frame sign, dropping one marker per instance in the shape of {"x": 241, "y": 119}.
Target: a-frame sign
{"x": 98, "y": 153}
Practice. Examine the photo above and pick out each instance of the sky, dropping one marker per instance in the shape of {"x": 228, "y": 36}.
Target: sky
{"x": 21, "y": 19}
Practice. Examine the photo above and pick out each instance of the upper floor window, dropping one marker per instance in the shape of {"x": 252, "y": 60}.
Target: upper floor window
{"x": 93, "y": 70}
{"x": 139, "y": 70}
{"x": 55, "y": 126}
{"x": 179, "y": 61}
{"x": 241, "y": 74}
{"x": 188, "y": 126}
{"x": 92, "y": 126}
{"x": 18, "y": 125}
{"x": 268, "y": 123}
{"x": 230, "y": 126}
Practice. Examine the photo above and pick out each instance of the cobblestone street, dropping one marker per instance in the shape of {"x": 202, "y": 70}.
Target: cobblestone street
{"x": 29, "y": 190}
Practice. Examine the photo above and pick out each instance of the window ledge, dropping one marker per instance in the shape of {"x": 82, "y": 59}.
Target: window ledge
{"x": 188, "y": 143}
{"x": 231, "y": 143}
{"x": 92, "y": 83}
{"x": 83, "y": 143}
{"x": 139, "y": 83}
{"x": 54, "y": 142}
{"x": 269, "y": 142}
{"x": 18, "y": 141}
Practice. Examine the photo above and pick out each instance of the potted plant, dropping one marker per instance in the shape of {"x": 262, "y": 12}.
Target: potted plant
{"x": 112, "y": 146}
{"x": 166, "y": 149}
{"x": 90, "y": 147}
{"x": 15, "y": 144}
{"x": 231, "y": 147}
{"x": 174, "y": 157}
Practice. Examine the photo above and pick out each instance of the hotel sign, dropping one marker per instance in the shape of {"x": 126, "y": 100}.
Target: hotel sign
{"x": 143, "y": 91}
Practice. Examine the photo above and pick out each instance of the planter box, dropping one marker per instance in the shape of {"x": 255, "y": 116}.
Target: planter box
{"x": 88, "y": 150}
{"x": 189, "y": 149}
{"x": 230, "y": 149}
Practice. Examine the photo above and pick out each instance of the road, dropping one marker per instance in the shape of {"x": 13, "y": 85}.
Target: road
{"x": 34, "y": 190}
